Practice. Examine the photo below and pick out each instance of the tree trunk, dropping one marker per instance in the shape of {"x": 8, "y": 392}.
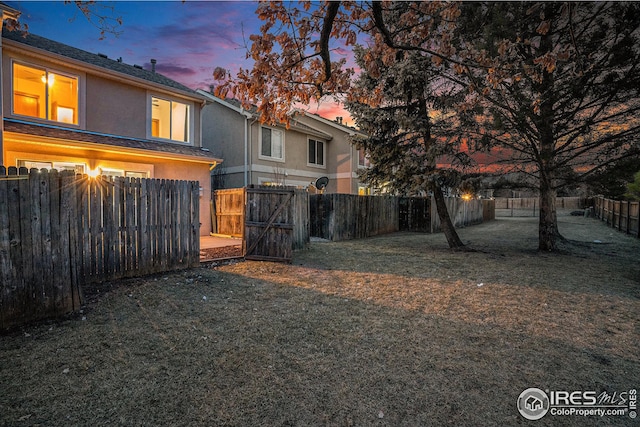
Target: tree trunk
{"x": 445, "y": 220}
{"x": 548, "y": 223}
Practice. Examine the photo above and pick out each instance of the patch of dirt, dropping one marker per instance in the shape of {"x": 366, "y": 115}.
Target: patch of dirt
{"x": 211, "y": 254}
{"x": 392, "y": 330}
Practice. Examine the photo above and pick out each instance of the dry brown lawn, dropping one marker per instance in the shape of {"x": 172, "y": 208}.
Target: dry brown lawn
{"x": 393, "y": 331}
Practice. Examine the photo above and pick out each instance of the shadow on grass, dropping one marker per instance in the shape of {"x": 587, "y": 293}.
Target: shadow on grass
{"x": 506, "y": 254}
{"x": 222, "y": 348}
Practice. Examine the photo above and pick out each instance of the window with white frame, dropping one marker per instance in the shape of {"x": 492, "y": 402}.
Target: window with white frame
{"x": 125, "y": 173}
{"x": 363, "y": 159}
{"x": 169, "y": 119}
{"x": 316, "y": 152}
{"x": 59, "y": 166}
{"x": 272, "y": 143}
{"x": 44, "y": 93}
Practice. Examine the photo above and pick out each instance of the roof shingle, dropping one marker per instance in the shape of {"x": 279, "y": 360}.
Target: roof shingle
{"x": 154, "y": 148}
{"x": 93, "y": 59}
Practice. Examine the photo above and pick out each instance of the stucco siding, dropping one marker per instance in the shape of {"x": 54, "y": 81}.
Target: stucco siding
{"x": 191, "y": 172}
{"x": 116, "y": 108}
{"x": 223, "y": 133}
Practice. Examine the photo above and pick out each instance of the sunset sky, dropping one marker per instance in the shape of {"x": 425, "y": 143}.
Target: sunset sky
{"x": 188, "y": 39}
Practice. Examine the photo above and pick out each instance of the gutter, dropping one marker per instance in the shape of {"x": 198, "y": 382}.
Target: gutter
{"x": 86, "y": 67}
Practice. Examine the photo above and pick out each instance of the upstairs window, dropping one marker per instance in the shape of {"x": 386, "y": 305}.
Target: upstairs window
{"x": 316, "y": 152}
{"x": 45, "y": 94}
{"x": 169, "y": 120}
{"x": 272, "y": 143}
{"x": 363, "y": 159}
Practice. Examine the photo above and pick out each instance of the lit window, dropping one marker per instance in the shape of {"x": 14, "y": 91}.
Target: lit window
{"x": 124, "y": 173}
{"x": 134, "y": 174}
{"x": 169, "y": 120}
{"x": 272, "y": 144}
{"x": 364, "y": 190}
{"x": 45, "y": 94}
{"x": 59, "y": 166}
{"x": 316, "y": 152}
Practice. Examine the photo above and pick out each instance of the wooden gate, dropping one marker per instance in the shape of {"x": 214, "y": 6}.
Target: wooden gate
{"x": 269, "y": 224}
{"x": 228, "y": 212}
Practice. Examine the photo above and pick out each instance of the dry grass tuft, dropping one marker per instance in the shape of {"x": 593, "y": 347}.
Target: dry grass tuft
{"x": 394, "y": 330}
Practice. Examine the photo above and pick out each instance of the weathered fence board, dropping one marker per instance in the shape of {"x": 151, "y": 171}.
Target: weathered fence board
{"x": 300, "y": 218}
{"x": 530, "y": 206}
{"x": 229, "y": 211}
{"x": 59, "y": 232}
{"x": 488, "y": 210}
{"x": 414, "y": 214}
{"x": 269, "y": 224}
{"x": 344, "y": 216}
{"x": 623, "y": 215}
{"x": 462, "y": 213}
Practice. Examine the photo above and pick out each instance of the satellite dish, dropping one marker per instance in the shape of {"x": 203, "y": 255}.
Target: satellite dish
{"x": 321, "y": 182}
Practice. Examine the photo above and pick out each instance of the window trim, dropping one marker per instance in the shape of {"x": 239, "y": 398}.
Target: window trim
{"x": 324, "y": 153}
{"x": 271, "y": 158}
{"x": 57, "y": 71}
{"x": 367, "y": 161}
{"x": 190, "y": 122}
{"x": 53, "y": 164}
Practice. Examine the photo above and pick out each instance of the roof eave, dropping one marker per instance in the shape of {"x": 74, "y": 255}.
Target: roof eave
{"x": 212, "y": 98}
{"x": 9, "y": 13}
{"x": 114, "y": 149}
{"x": 97, "y": 70}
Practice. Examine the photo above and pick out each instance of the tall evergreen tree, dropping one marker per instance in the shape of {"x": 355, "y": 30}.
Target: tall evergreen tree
{"x": 404, "y": 132}
{"x": 559, "y": 86}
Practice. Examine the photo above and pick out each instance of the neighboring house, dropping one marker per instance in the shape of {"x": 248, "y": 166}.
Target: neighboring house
{"x": 343, "y": 159}
{"x": 259, "y": 154}
{"x": 66, "y": 108}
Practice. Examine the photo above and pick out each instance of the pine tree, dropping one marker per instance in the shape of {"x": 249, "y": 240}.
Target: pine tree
{"x": 405, "y": 131}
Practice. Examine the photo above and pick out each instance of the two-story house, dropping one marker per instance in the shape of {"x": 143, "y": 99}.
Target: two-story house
{"x": 66, "y": 108}
{"x": 344, "y": 159}
{"x": 259, "y": 154}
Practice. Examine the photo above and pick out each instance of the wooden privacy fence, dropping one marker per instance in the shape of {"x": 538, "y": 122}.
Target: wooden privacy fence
{"x": 345, "y": 216}
{"x": 276, "y": 222}
{"x": 462, "y": 212}
{"x": 530, "y": 206}
{"x": 228, "y": 211}
{"x": 59, "y": 231}
{"x": 488, "y": 210}
{"x": 231, "y": 214}
{"x": 39, "y": 243}
{"x": 414, "y": 214}
{"x": 622, "y": 215}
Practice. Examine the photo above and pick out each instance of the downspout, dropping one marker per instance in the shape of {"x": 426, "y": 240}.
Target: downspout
{"x": 351, "y": 179}
{"x": 251, "y": 146}
{"x": 246, "y": 116}
{"x": 7, "y": 13}
{"x": 202, "y": 105}
{"x": 351, "y": 165}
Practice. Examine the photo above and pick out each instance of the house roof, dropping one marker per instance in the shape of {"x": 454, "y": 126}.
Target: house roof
{"x": 8, "y": 11}
{"x": 152, "y": 148}
{"x": 96, "y": 60}
{"x": 339, "y": 126}
{"x": 236, "y": 106}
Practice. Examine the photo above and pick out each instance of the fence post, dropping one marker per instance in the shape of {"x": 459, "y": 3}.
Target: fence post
{"x": 628, "y": 227}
